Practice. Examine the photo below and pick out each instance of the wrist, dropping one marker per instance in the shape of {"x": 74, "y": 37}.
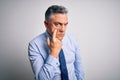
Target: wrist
{"x": 54, "y": 54}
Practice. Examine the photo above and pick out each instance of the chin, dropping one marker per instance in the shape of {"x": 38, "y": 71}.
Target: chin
{"x": 60, "y": 38}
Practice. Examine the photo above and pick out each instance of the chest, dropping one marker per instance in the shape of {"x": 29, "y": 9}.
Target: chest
{"x": 68, "y": 49}
{"x": 69, "y": 53}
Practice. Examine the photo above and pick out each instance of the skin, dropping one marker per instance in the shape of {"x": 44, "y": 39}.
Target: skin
{"x": 56, "y": 27}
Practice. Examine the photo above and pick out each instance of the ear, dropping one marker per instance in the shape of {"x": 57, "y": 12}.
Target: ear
{"x": 46, "y": 23}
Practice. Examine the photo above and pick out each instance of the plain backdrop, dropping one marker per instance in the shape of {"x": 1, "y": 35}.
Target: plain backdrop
{"x": 95, "y": 23}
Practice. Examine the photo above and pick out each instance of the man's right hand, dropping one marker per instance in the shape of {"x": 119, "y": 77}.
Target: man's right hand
{"x": 55, "y": 45}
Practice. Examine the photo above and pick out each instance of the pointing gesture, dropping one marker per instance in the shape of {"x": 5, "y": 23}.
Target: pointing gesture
{"x": 54, "y": 35}
{"x": 55, "y": 45}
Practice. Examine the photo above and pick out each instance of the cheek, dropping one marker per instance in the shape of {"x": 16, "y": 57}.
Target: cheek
{"x": 51, "y": 30}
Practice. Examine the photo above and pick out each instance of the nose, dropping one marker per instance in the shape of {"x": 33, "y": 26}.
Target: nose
{"x": 62, "y": 28}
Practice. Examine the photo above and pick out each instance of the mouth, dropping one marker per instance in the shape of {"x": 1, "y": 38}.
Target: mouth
{"x": 61, "y": 35}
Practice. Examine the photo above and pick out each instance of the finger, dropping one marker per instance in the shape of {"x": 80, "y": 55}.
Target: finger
{"x": 54, "y": 34}
{"x": 48, "y": 41}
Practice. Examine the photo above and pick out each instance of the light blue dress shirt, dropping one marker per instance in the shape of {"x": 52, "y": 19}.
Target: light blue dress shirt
{"x": 46, "y": 67}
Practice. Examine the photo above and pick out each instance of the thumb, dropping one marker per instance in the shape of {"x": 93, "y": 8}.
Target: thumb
{"x": 48, "y": 41}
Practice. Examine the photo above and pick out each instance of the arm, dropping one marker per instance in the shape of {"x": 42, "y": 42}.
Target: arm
{"x": 43, "y": 70}
{"x": 78, "y": 64}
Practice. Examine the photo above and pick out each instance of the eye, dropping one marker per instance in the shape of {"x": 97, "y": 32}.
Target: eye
{"x": 66, "y": 24}
{"x": 57, "y": 24}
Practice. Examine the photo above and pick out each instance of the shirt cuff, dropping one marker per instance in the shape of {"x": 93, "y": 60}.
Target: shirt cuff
{"x": 52, "y": 61}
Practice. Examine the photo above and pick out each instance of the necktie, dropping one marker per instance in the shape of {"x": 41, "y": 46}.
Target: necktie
{"x": 63, "y": 68}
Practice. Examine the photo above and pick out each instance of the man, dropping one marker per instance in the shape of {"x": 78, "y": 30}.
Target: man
{"x": 55, "y": 55}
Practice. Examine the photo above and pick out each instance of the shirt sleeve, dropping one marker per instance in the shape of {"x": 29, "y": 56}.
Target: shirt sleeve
{"x": 79, "y": 71}
{"x": 43, "y": 69}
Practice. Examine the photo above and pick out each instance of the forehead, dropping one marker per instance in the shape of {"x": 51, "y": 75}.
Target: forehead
{"x": 63, "y": 18}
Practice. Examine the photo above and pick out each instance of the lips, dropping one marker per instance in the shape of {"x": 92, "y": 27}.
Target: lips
{"x": 61, "y": 35}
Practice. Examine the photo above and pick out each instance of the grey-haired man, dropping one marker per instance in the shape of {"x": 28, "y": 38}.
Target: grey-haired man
{"x": 45, "y": 49}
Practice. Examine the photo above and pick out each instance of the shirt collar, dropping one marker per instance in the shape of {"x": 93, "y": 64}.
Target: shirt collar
{"x": 48, "y": 35}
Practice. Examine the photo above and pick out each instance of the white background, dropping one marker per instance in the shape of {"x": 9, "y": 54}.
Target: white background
{"x": 95, "y": 23}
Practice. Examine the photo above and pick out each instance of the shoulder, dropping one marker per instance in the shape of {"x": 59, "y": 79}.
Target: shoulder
{"x": 37, "y": 43}
{"x": 38, "y": 39}
{"x": 70, "y": 39}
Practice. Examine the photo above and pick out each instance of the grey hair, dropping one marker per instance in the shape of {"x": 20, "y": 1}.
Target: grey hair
{"x": 55, "y": 9}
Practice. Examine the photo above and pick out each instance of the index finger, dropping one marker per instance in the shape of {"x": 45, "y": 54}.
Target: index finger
{"x": 54, "y": 34}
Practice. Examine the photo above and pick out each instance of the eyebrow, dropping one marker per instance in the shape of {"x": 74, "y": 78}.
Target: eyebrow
{"x": 61, "y": 23}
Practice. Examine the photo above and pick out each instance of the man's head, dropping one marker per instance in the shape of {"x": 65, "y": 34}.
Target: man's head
{"x": 56, "y": 19}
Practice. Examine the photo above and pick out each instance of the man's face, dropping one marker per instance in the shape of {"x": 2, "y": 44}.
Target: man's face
{"x": 58, "y": 22}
